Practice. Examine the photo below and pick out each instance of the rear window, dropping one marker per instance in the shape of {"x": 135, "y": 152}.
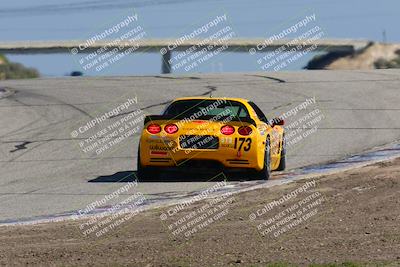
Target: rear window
{"x": 205, "y": 109}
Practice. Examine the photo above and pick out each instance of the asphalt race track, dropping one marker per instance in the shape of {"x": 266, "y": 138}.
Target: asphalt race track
{"x": 44, "y": 171}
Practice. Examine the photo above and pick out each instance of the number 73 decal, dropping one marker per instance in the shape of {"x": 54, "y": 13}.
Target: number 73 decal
{"x": 242, "y": 142}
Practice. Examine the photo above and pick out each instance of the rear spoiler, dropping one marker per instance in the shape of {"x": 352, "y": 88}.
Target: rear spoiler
{"x": 157, "y": 118}
{"x": 149, "y": 118}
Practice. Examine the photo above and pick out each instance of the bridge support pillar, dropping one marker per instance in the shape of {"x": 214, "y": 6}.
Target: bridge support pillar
{"x": 165, "y": 65}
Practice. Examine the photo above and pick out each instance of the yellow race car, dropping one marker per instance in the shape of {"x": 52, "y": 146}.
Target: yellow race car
{"x": 207, "y": 133}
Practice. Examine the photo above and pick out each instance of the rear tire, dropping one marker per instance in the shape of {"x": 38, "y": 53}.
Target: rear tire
{"x": 282, "y": 163}
{"x": 145, "y": 173}
{"x": 265, "y": 173}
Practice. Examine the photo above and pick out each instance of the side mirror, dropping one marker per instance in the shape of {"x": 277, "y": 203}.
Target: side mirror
{"x": 277, "y": 121}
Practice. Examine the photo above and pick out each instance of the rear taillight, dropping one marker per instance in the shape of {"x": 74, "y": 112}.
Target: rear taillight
{"x": 227, "y": 130}
{"x": 245, "y": 130}
{"x": 154, "y": 128}
{"x": 171, "y": 128}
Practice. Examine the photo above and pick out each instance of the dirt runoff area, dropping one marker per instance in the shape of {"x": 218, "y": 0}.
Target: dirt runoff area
{"x": 346, "y": 219}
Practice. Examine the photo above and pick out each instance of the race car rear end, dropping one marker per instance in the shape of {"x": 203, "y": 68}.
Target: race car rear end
{"x": 207, "y": 133}
{"x": 172, "y": 143}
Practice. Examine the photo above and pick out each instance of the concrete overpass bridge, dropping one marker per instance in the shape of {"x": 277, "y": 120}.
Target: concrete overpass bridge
{"x": 165, "y": 45}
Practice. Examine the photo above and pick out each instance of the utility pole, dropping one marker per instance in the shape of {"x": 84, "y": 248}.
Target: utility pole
{"x": 384, "y": 37}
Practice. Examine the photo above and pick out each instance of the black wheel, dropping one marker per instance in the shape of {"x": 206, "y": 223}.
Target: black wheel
{"x": 282, "y": 163}
{"x": 145, "y": 173}
{"x": 266, "y": 171}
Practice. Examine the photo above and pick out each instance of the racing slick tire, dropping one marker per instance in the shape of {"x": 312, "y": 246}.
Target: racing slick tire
{"x": 145, "y": 173}
{"x": 265, "y": 173}
{"x": 282, "y": 163}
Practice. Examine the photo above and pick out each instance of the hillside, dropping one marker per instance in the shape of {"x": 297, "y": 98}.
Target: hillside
{"x": 11, "y": 70}
{"x": 374, "y": 56}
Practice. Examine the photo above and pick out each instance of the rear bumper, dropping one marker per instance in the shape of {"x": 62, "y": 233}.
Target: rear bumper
{"x": 202, "y": 167}
{"x": 196, "y": 161}
{"x": 221, "y": 158}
